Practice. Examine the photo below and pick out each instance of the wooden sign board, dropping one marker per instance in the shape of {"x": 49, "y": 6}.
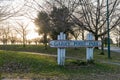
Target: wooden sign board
{"x": 74, "y": 43}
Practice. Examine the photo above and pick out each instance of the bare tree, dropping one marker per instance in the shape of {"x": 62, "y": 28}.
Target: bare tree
{"x": 90, "y": 15}
{"x": 71, "y": 6}
{"x": 93, "y": 14}
{"x": 5, "y": 32}
{"x": 22, "y": 30}
{"x": 33, "y": 8}
{"x": 77, "y": 33}
{"x": 10, "y": 8}
{"x": 36, "y": 40}
{"x": 13, "y": 36}
{"x": 116, "y": 32}
{"x": 29, "y": 41}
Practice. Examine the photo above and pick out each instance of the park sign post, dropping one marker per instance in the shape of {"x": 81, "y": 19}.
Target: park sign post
{"x": 62, "y": 43}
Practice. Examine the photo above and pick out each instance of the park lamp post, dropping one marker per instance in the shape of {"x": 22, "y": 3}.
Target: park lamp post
{"x": 108, "y": 33}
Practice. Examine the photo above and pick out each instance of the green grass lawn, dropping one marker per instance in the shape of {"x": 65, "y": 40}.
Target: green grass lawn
{"x": 27, "y": 65}
{"x": 70, "y": 52}
{"x": 14, "y": 64}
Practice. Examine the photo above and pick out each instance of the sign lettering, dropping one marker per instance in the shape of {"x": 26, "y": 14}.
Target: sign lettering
{"x": 74, "y": 43}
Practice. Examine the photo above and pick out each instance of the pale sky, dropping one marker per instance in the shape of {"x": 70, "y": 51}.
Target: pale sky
{"x": 26, "y": 12}
{"x": 30, "y": 12}
{"x": 32, "y": 34}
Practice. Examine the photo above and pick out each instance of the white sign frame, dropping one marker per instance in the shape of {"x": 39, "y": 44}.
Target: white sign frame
{"x": 74, "y": 43}
{"x": 61, "y": 49}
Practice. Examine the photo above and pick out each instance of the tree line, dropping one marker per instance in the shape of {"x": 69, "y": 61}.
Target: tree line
{"x": 73, "y": 17}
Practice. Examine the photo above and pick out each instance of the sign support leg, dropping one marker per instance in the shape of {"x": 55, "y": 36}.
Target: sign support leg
{"x": 61, "y": 51}
{"x": 89, "y": 51}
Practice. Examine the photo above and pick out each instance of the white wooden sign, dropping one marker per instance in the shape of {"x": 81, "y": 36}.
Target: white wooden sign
{"x": 62, "y": 43}
{"x": 74, "y": 43}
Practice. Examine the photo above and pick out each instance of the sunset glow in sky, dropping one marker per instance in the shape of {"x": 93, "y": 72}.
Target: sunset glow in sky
{"x": 26, "y": 13}
{"x": 24, "y": 16}
{"x": 32, "y": 33}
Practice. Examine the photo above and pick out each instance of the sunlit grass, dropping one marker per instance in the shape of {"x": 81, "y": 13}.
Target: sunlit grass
{"x": 30, "y": 65}
{"x": 79, "y": 53}
{"x": 18, "y": 63}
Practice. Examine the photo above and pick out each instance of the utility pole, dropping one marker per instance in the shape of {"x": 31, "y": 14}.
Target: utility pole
{"x": 108, "y": 33}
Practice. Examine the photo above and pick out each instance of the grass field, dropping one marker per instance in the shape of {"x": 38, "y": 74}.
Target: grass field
{"x": 15, "y": 64}
{"x": 70, "y": 52}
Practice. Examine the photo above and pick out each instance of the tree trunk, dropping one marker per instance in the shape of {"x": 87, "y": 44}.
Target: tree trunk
{"x": 23, "y": 41}
{"x": 45, "y": 40}
{"x": 102, "y": 46}
{"x": 83, "y": 34}
{"x": 119, "y": 42}
{"x": 96, "y": 39}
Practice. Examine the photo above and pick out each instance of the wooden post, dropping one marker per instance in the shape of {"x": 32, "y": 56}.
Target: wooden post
{"x": 58, "y": 52}
{"x": 61, "y": 51}
{"x": 64, "y": 50}
{"x": 89, "y": 52}
{"x": 61, "y": 43}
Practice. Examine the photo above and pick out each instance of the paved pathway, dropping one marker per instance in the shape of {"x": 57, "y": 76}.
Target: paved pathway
{"x": 114, "y": 49}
